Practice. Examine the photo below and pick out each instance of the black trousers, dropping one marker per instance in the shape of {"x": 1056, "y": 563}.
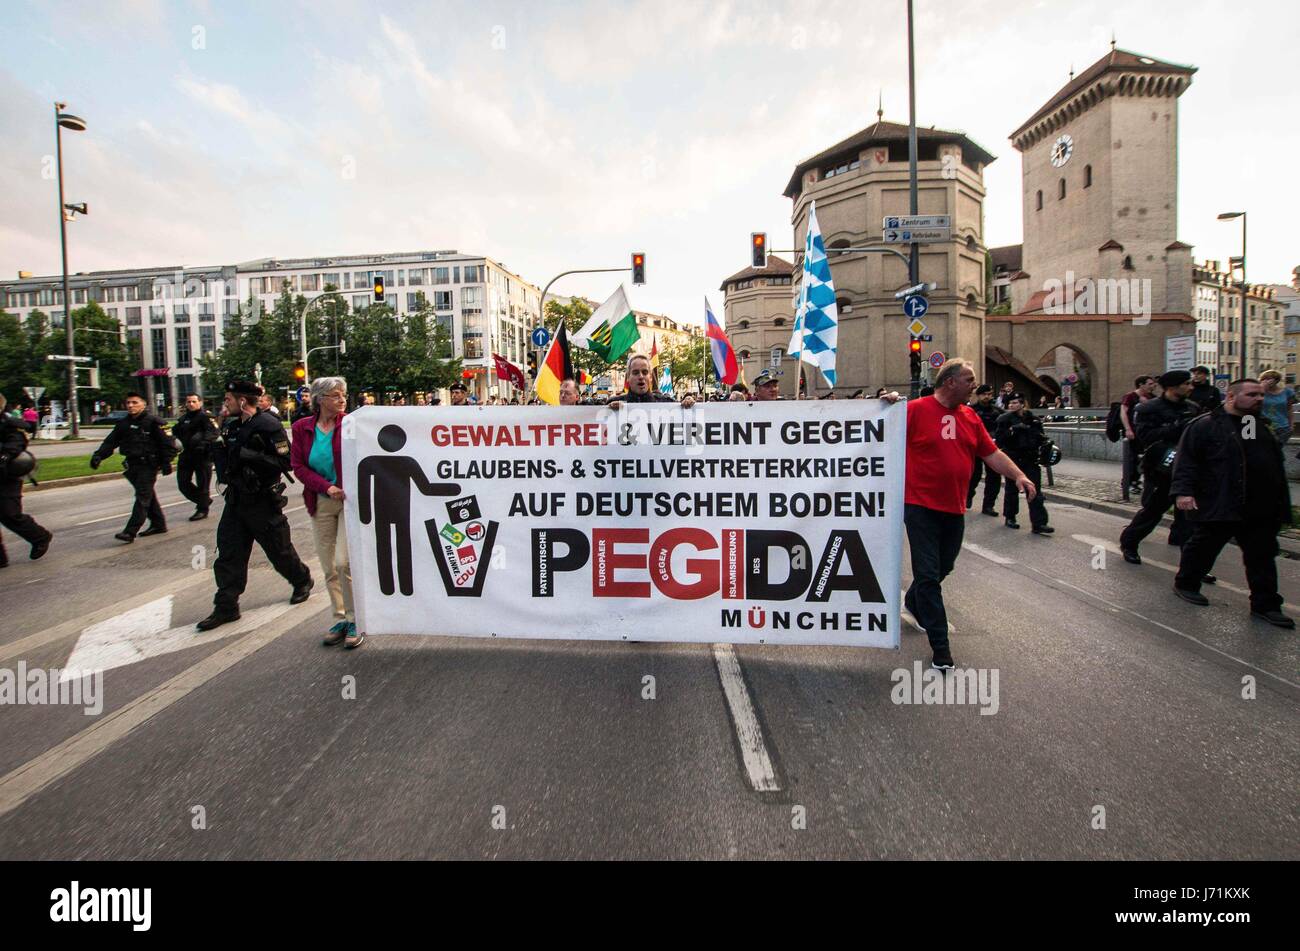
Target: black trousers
{"x": 194, "y": 478}
{"x": 1130, "y": 464}
{"x": 16, "y": 520}
{"x": 1258, "y": 543}
{"x": 992, "y": 482}
{"x": 142, "y": 477}
{"x": 935, "y": 540}
{"x": 246, "y": 519}
{"x": 1037, "y": 505}
{"x": 1155, "y": 502}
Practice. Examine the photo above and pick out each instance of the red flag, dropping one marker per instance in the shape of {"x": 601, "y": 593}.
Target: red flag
{"x": 508, "y": 371}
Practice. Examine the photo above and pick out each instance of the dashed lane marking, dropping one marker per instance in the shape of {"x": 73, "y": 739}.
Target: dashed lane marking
{"x": 749, "y": 733}
{"x": 986, "y": 553}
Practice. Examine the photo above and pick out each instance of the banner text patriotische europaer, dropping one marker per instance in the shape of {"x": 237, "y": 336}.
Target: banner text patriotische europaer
{"x": 777, "y": 523}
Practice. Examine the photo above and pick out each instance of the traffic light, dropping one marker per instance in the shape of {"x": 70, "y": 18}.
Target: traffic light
{"x": 914, "y": 351}
{"x": 758, "y": 247}
{"x": 532, "y": 363}
{"x": 379, "y": 288}
{"x": 638, "y": 267}
{"x": 299, "y": 373}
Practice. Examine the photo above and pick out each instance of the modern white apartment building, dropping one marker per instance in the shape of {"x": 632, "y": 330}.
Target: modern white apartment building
{"x": 174, "y": 315}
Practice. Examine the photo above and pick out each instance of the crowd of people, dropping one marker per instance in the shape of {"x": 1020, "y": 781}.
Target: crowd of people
{"x": 1217, "y": 460}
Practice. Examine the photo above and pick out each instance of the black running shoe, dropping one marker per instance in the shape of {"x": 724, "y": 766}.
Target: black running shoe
{"x": 943, "y": 660}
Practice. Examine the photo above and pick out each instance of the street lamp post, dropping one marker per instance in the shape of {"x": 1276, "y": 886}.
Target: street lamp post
{"x": 64, "y": 121}
{"x": 1245, "y": 289}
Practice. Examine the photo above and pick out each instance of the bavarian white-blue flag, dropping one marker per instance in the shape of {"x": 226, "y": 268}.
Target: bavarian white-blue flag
{"x": 666, "y": 379}
{"x": 816, "y": 325}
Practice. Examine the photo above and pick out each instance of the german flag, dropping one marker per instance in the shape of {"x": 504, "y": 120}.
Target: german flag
{"x": 555, "y": 369}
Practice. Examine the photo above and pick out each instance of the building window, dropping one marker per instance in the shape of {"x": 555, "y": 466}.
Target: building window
{"x": 133, "y": 347}
{"x": 743, "y": 325}
{"x": 1087, "y": 176}
{"x": 1060, "y": 189}
{"x": 207, "y": 340}
{"x": 1128, "y": 262}
{"x": 158, "y": 338}
{"x": 310, "y": 282}
{"x": 415, "y": 301}
{"x": 133, "y": 316}
{"x": 442, "y": 300}
{"x": 360, "y": 301}
{"x": 416, "y": 276}
{"x": 441, "y": 275}
{"x": 744, "y": 354}
{"x": 778, "y": 322}
{"x": 183, "y": 347}
{"x": 1040, "y": 200}
{"x": 157, "y": 314}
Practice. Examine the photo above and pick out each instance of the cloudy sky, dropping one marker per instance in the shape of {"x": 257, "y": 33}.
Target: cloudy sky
{"x": 555, "y": 135}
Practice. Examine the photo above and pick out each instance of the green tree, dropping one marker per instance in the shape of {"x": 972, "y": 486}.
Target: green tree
{"x": 15, "y": 358}
{"x": 690, "y": 362}
{"x": 96, "y": 335}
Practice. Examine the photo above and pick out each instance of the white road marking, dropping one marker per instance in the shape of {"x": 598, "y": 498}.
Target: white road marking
{"x": 19, "y": 785}
{"x": 1172, "y": 630}
{"x": 147, "y": 631}
{"x": 748, "y": 732}
{"x": 986, "y": 553}
{"x": 1114, "y": 548}
{"x": 109, "y": 518}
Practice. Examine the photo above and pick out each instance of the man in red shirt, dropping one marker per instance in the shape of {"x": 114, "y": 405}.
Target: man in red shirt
{"x": 944, "y": 438}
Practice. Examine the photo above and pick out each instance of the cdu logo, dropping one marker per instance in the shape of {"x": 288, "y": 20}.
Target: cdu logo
{"x": 384, "y": 500}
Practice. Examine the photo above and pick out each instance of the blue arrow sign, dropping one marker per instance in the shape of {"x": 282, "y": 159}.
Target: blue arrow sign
{"x": 916, "y": 306}
{"x": 540, "y": 337}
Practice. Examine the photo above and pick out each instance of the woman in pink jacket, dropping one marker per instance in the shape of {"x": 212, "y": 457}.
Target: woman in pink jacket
{"x": 317, "y": 458}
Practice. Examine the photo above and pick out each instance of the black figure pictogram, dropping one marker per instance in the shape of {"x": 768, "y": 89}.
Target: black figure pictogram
{"x": 392, "y": 477}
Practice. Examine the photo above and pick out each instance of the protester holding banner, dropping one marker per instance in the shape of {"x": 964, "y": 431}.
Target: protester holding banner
{"x": 317, "y": 459}
{"x": 569, "y": 393}
{"x": 944, "y": 438}
{"x": 458, "y": 393}
{"x": 766, "y": 386}
{"x": 641, "y": 388}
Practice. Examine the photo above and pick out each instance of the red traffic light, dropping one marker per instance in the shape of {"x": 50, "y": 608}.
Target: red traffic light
{"x": 915, "y": 346}
{"x": 758, "y": 248}
{"x": 638, "y": 267}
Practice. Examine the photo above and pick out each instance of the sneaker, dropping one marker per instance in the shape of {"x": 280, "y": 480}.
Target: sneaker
{"x": 1131, "y": 556}
{"x": 216, "y": 619}
{"x": 943, "y": 660}
{"x": 1012, "y": 523}
{"x": 1276, "y": 618}
{"x": 336, "y": 634}
{"x": 198, "y": 515}
{"x": 355, "y": 638}
{"x": 302, "y": 592}
{"x": 1043, "y": 530}
{"x": 42, "y": 546}
{"x": 125, "y": 537}
{"x": 1192, "y": 597}
{"x": 154, "y": 530}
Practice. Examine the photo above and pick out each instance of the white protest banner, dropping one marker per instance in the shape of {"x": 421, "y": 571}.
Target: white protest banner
{"x": 775, "y": 523}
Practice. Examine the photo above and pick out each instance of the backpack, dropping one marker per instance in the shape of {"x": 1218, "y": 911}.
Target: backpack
{"x": 1114, "y": 424}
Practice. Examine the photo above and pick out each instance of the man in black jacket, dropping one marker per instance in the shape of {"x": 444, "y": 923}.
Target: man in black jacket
{"x": 1019, "y": 433}
{"x": 1230, "y": 481}
{"x": 1159, "y": 424}
{"x": 196, "y": 432}
{"x": 640, "y": 386}
{"x": 13, "y": 442}
{"x": 1204, "y": 393}
{"x": 141, "y": 439}
{"x": 988, "y": 413}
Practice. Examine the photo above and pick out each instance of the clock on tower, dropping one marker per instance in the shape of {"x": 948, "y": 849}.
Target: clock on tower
{"x": 1062, "y": 149}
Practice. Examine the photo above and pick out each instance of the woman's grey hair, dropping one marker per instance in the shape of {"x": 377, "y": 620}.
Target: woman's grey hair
{"x": 326, "y": 384}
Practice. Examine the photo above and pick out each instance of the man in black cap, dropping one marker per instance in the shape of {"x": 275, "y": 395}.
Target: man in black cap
{"x": 254, "y": 458}
{"x": 458, "y": 394}
{"x": 1204, "y": 393}
{"x": 147, "y": 448}
{"x": 1159, "y": 424}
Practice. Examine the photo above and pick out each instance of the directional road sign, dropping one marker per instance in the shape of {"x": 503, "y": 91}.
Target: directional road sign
{"x": 936, "y": 359}
{"x": 917, "y": 222}
{"x": 917, "y": 235}
{"x": 64, "y": 356}
{"x": 34, "y": 392}
{"x": 916, "y": 306}
{"x": 540, "y": 337}
{"x": 916, "y": 328}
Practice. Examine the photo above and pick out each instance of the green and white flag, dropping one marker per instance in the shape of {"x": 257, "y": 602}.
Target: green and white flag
{"x": 611, "y": 331}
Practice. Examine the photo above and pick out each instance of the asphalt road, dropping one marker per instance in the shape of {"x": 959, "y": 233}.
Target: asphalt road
{"x": 1112, "y": 693}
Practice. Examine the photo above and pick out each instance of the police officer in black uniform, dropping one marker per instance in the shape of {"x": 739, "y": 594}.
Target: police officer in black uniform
{"x": 1159, "y": 424}
{"x": 253, "y": 459}
{"x": 196, "y": 431}
{"x": 15, "y": 463}
{"x": 988, "y": 412}
{"x": 1019, "y": 433}
{"x": 147, "y": 448}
